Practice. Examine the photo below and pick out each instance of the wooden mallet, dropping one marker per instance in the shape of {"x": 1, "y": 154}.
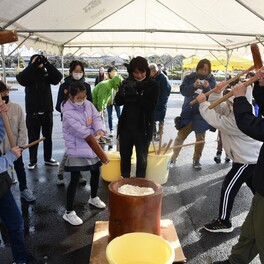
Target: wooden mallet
{"x": 257, "y": 63}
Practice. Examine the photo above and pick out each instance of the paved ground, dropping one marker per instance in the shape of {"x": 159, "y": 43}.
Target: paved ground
{"x": 190, "y": 199}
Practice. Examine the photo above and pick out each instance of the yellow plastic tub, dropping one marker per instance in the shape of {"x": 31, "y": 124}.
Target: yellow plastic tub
{"x": 158, "y": 167}
{"x": 139, "y": 248}
{"x": 111, "y": 171}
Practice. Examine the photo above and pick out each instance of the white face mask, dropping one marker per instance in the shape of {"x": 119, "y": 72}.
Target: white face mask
{"x": 140, "y": 79}
{"x": 77, "y": 76}
{"x": 79, "y": 103}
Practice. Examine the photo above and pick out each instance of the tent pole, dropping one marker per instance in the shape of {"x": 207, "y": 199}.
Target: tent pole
{"x": 62, "y": 61}
{"x": 3, "y": 63}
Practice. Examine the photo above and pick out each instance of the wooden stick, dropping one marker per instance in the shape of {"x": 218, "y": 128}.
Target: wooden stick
{"x": 189, "y": 144}
{"x": 33, "y": 143}
{"x": 8, "y": 127}
{"x": 154, "y": 147}
{"x": 257, "y": 64}
{"x": 226, "y": 83}
{"x": 168, "y": 146}
{"x": 161, "y": 132}
{"x": 228, "y": 95}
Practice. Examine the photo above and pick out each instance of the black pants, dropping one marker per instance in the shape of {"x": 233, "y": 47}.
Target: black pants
{"x": 238, "y": 174}
{"x": 35, "y": 123}
{"x": 127, "y": 140}
{"x": 21, "y": 173}
{"x": 71, "y": 191}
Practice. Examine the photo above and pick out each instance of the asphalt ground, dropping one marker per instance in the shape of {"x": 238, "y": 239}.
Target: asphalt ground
{"x": 190, "y": 199}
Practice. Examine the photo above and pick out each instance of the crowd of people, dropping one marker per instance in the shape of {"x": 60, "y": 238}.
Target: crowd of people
{"x": 140, "y": 100}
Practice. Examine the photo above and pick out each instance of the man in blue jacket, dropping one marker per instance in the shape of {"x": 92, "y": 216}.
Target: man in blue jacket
{"x": 164, "y": 93}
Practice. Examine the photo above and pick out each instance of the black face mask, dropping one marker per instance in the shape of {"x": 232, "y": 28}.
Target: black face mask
{"x": 6, "y": 98}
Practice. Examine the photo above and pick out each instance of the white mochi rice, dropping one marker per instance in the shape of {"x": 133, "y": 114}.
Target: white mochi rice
{"x": 133, "y": 190}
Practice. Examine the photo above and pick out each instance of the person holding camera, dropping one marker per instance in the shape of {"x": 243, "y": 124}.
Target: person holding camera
{"x": 138, "y": 94}
{"x": 197, "y": 82}
{"x": 37, "y": 78}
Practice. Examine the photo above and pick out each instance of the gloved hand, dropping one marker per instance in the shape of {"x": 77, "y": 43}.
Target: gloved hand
{"x": 43, "y": 59}
{"x": 38, "y": 60}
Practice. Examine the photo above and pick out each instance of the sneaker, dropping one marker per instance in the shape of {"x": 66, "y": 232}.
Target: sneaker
{"x": 156, "y": 138}
{"x": 14, "y": 181}
{"x": 172, "y": 163}
{"x": 227, "y": 159}
{"x": 101, "y": 141}
{"x": 72, "y": 218}
{"x": 197, "y": 165}
{"x": 52, "y": 162}
{"x": 82, "y": 180}
{"x": 217, "y": 226}
{"x": 217, "y": 157}
{"x": 221, "y": 262}
{"x": 107, "y": 139}
{"x": 28, "y": 195}
{"x": 31, "y": 166}
{"x": 111, "y": 133}
{"x": 97, "y": 202}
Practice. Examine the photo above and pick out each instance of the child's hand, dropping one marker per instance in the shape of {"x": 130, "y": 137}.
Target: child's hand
{"x": 220, "y": 87}
{"x": 201, "y": 98}
{"x": 3, "y": 107}
{"x": 100, "y": 134}
{"x": 239, "y": 90}
{"x": 17, "y": 151}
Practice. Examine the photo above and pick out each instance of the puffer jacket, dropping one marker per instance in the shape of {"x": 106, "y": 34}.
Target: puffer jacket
{"x": 76, "y": 129}
{"x": 103, "y": 91}
{"x": 139, "y": 100}
{"x": 67, "y": 81}
{"x": 191, "y": 113}
{"x": 164, "y": 93}
{"x": 37, "y": 83}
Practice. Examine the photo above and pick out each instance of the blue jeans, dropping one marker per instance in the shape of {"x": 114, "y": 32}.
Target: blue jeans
{"x": 110, "y": 114}
{"x": 13, "y": 221}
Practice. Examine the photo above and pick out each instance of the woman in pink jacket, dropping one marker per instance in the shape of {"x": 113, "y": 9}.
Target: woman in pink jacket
{"x": 80, "y": 119}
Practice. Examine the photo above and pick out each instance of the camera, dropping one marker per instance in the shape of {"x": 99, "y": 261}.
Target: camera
{"x": 201, "y": 82}
{"x": 129, "y": 88}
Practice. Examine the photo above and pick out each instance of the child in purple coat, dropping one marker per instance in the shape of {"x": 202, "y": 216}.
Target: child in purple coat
{"x": 80, "y": 119}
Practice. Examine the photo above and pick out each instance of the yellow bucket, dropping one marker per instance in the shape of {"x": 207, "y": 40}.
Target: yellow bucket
{"x": 158, "y": 167}
{"x": 111, "y": 171}
{"x": 139, "y": 248}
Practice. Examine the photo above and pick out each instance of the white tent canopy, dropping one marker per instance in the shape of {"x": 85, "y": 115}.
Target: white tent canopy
{"x": 190, "y": 27}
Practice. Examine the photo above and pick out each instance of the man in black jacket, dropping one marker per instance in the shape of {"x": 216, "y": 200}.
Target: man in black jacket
{"x": 138, "y": 94}
{"x": 251, "y": 241}
{"x": 37, "y": 78}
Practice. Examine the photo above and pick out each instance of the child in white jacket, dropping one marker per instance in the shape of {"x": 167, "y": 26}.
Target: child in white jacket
{"x": 240, "y": 148}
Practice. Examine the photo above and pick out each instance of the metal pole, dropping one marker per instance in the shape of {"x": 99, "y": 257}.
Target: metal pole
{"x": 3, "y": 63}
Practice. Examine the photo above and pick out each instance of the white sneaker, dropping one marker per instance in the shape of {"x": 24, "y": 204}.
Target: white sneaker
{"x": 172, "y": 163}
{"x": 82, "y": 180}
{"x": 52, "y": 162}
{"x": 72, "y": 218}
{"x": 97, "y": 202}
{"x": 28, "y": 195}
{"x": 31, "y": 166}
{"x": 60, "y": 182}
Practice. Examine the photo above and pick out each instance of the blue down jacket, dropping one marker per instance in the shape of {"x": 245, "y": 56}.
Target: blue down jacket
{"x": 191, "y": 113}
